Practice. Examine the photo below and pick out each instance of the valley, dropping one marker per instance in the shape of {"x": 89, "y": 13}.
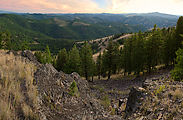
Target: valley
{"x": 91, "y": 66}
{"x": 63, "y": 30}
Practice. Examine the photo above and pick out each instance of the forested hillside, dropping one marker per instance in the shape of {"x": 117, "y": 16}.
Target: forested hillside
{"x": 136, "y": 76}
{"x": 62, "y": 30}
{"x": 141, "y": 53}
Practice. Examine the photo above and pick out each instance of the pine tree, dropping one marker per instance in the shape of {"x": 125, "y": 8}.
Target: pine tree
{"x": 5, "y": 40}
{"x": 44, "y": 57}
{"x": 99, "y": 65}
{"x": 179, "y": 31}
{"x": 153, "y": 48}
{"x": 74, "y": 60}
{"x": 127, "y": 55}
{"x": 111, "y": 57}
{"x": 86, "y": 60}
{"x": 177, "y": 73}
{"x": 121, "y": 59}
{"x": 25, "y": 45}
{"x": 168, "y": 46}
{"x": 138, "y": 53}
{"x": 104, "y": 63}
{"x": 48, "y": 58}
{"x": 62, "y": 60}
{"x": 40, "y": 57}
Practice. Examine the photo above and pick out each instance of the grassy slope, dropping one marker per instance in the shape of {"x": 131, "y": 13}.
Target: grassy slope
{"x": 17, "y": 92}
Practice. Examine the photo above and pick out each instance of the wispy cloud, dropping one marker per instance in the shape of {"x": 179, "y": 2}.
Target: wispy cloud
{"x": 48, "y": 6}
{"x": 93, "y": 6}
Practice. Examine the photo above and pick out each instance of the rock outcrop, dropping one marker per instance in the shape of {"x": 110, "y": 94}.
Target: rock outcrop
{"x": 55, "y": 101}
{"x": 160, "y": 99}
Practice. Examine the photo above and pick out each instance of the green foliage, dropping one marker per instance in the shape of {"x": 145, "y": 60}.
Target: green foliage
{"x": 127, "y": 55}
{"x": 40, "y": 57}
{"x": 152, "y": 48}
{"x": 138, "y": 53}
{"x": 44, "y": 57}
{"x": 62, "y": 61}
{"x": 87, "y": 62}
{"x": 106, "y": 101}
{"x": 74, "y": 60}
{"x": 99, "y": 65}
{"x": 111, "y": 58}
{"x": 73, "y": 90}
{"x": 159, "y": 90}
{"x": 60, "y": 31}
{"x": 48, "y": 58}
{"x": 5, "y": 42}
{"x": 168, "y": 48}
{"x": 8, "y": 42}
{"x": 179, "y": 31}
{"x": 177, "y": 73}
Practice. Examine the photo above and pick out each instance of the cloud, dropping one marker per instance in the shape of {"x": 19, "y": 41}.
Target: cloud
{"x": 93, "y": 6}
{"x": 144, "y": 6}
{"x": 49, "y": 6}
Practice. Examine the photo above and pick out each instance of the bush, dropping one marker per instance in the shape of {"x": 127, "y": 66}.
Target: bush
{"x": 74, "y": 89}
{"x": 106, "y": 101}
{"x": 158, "y": 91}
{"x": 177, "y": 72}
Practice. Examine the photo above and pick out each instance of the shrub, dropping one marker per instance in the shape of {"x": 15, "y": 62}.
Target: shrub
{"x": 106, "y": 101}
{"x": 158, "y": 91}
{"x": 177, "y": 72}
{"x": 73, "y": 91}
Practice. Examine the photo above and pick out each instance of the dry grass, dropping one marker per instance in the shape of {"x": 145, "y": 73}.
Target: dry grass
{"x": 177, "y": 94}
{"x": 16, "y": 87}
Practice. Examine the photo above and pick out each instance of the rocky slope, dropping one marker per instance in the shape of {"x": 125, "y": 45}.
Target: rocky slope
{"x": 161, "y": 98}
{"x": 55, "y": 99}
{"x": 60, "y": 96}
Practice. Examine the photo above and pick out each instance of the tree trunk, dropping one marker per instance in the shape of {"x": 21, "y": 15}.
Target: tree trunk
{"x": 92, "y": 78}
{"x": 86, "y": 76}
{"x": 99, "y": 77}
{"x": 109, "y": 75}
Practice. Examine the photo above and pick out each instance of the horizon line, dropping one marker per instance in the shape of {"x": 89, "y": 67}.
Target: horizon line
{"x": 7, "y": 11}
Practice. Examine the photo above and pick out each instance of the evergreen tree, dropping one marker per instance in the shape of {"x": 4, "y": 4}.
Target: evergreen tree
{"x": 62, "y": 61}
{"x": 127, "y": 55}
{"x": 168, "y": 46}
{"x": 112, "y": 58}
{"x": 99, "y": 65}
{"x": 74, "y": 60}
{"x": 153, "y": 48}
{"x": 40, "y": 57}
{"x": 179, "y": 31}
{"x": 121, "y": 59}
{"x": 25, "y": 46}
{"x": 104, "y": 63}
{"x": 5, "y": 40}
{"x": 86, "y": 60}
{"x": 177, "y": 73}
{"x": 138, "y": 53}
{"x": 44, "y": 57}
{"x": 48, "y": 58}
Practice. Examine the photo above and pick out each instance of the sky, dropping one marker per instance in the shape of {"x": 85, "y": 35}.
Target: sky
{"x": 93, "y": 6}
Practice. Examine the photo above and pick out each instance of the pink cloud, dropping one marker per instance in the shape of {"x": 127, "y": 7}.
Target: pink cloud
{"x": 48, "y": 6}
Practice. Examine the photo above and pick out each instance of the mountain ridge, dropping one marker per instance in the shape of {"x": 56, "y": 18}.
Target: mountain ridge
{"x": 63, "y": 30}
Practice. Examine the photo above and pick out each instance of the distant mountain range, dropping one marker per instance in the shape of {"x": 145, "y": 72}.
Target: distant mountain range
{"x": 62, "y": 30}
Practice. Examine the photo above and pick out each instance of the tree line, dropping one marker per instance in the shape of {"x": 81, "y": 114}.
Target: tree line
{"x": 140, "y": 53}
{"x": 10, "y": 43}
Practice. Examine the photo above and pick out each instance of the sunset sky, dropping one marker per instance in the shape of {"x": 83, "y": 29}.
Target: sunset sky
{"x": 93, "y": 6}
